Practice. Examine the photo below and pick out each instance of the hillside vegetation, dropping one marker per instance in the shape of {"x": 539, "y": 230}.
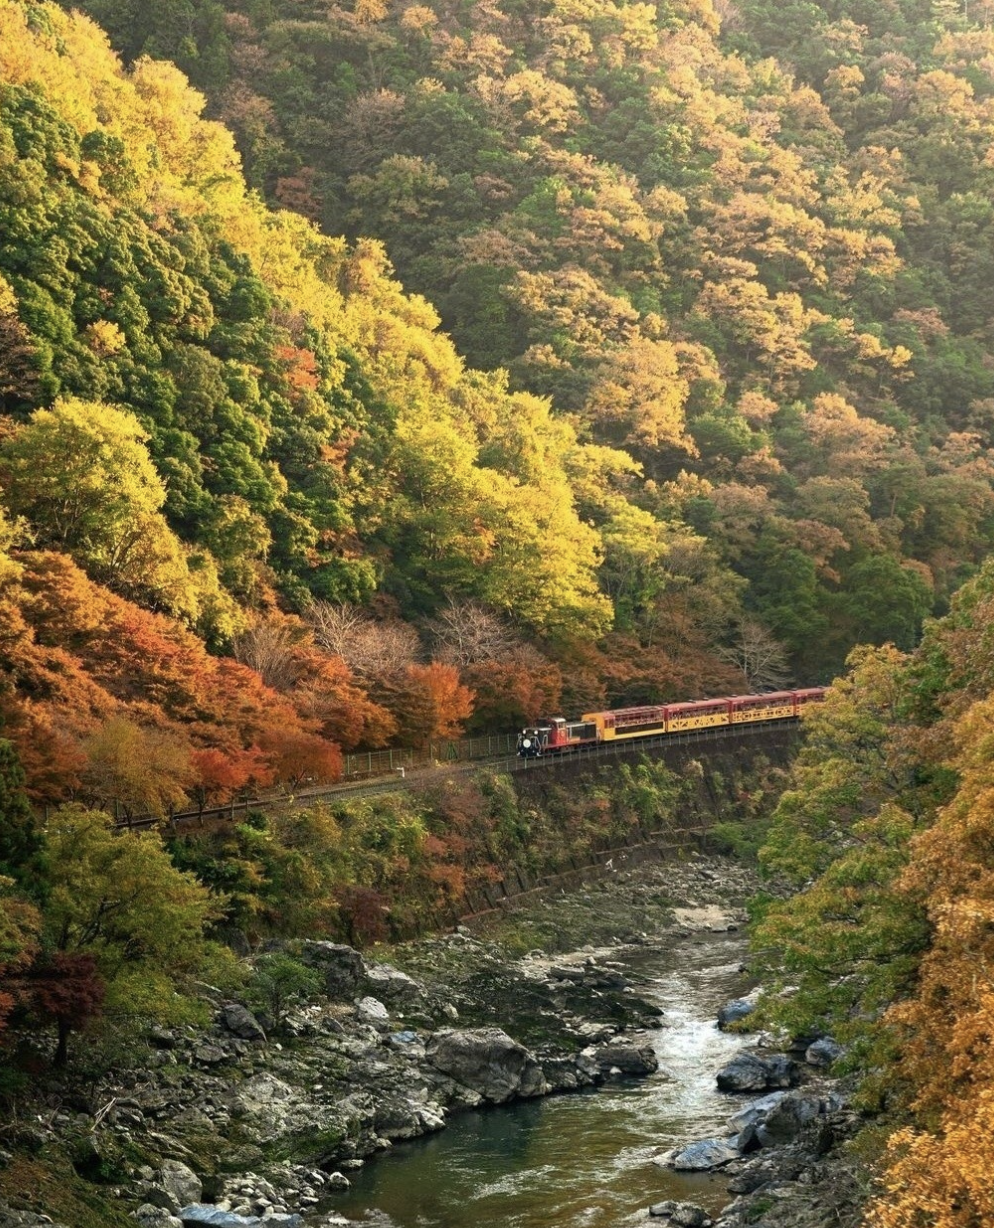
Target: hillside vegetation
{"x": 886, "y": 831}
{"x": 688, "y": 390}
{"x": 746, "y": 245}
{"x": 432, "y": 366}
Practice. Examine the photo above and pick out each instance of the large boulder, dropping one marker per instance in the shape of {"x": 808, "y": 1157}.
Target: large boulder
{"x": 748, "y": 1120}
{"x": 341, "y": 967}
{"x": 755, "y": 1111}
{"x": 487, "y": 1061}
{"x": 398, "y": 1117}
{"x": 682, "y": 1214}
{"x": 149, "y": 1216}
{"x": 748, "y": 1072}
{"x": 632, "y": 1056}
{"x": 699, "y": 1157}
{"x": 267, "y": 1104}
{"x": 181, "y": 1181}
{"x": 737, "y": 1009}
{"x": 823, "y": 1052}
{"x": 173, "y": 1186}
{"x": 199, "y": 1214}
{"x": 389, "y": 984}
{"x": 787, "y": 1118}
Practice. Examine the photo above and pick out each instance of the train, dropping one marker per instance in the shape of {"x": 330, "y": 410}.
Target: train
{"x": 557, "y": 736}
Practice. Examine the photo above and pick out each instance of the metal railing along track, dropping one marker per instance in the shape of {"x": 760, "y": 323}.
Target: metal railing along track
{"x": 407, "y": 772}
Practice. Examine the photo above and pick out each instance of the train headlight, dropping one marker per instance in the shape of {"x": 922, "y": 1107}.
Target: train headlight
{"x": 526, "y": 743}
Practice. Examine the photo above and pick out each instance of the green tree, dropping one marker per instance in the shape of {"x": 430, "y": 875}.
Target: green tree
{"x": 850, "y": 943}
{"x": 280, "y": 982}
{"x": 21, "y": 842}
{"x": 119, "y": 898}
{"x": 852, "y": 762}
{"x": 81, "y": 475}
{"x": 886, "y": 601}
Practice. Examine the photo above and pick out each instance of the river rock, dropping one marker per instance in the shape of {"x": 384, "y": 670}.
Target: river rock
{"x": 400, "y": 1118}
{"x": 823, "y": 1052}
{"x": 267, "y": 1101}
{"x": 181, "y": 1180}
{"x": 634, "y": 1056}
{"x": 567, "y": 972}
{"x": 372, "y": 1011}
{"x": 764, "y": 1170}
{"x": 199, "y": 1214}
{"x": 684, "y": 1214}
{"x": 178, "y": 1183}
{"x": 738, "y": 1008}
{"x": 389, "y": 984}
{"x": 341, "y": 966}
{"x": 785, "y": 1120}
{"x": 567, "y": 1074}
{"x": 173, "y": 1186}
{"x": 700, "y": 1156}
{"x": 239, "y": 1020}
{"x": 752, "y": 1114}
{"x": 209, "y": 1055}
{"x": 588, "y": 975}
{"x": 157, "y": 1196}
{"x": 408, "y": 1044}
{"x": 487, "y": 1061}
{"x": 148, "y": 1216}
{"x": 748, "y": 1072}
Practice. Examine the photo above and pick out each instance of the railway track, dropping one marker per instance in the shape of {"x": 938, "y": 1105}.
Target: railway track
{"x": 416, "y": 775}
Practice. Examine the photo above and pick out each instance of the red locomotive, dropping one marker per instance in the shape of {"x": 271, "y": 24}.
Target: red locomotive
{"x": 557, "y": 735}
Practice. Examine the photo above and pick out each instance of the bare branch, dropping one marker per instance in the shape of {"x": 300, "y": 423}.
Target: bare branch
{"x": 369, "y": 648}
{"x": 464, "y": 633}
{"x": 268, "y": 648}
{"x": 760, "y": 657}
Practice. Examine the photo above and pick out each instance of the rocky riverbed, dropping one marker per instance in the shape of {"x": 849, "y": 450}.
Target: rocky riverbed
{"x": 236, "y": 1126}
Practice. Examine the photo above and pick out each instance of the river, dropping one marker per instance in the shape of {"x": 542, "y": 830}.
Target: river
{"x": 585, "y": 1160}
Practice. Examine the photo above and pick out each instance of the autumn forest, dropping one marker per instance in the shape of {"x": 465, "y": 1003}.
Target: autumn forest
{"x": 389, "y": 372}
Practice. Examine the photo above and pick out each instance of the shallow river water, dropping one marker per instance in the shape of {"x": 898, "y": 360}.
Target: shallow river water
{"x": 579, "y": 1161}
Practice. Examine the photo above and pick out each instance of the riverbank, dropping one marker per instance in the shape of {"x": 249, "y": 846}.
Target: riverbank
{"x": 252, "y": 1124}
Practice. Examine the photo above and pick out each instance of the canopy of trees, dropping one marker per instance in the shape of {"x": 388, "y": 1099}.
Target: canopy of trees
{"x": 707, "y": 370}
{"x": 748, "y": 252}
{"x": 888, "y": 823}
{"x": 686, "y": 385}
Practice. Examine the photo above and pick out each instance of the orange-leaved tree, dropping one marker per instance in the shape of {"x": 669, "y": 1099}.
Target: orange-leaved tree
{"x": 938, "y": 1172}
{"x": 428, "y": 701}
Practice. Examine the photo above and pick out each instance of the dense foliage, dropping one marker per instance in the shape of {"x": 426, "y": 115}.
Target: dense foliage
{"x": 107, "y": 929}
{"x": 888, "y": 823}
{"x": 713, "y": 403}
{"x": 747, "y": 245}
{"x": 726, "y": 392}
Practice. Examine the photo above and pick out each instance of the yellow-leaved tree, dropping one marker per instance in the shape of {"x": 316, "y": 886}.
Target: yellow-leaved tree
{"x": 81, "y": 477}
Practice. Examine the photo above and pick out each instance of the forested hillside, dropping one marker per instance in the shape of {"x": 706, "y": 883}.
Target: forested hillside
{"x": 217, "y": 417}
{"x": 886, "y": 832}
{"x": 428, "y": 367}
{"x": 718, "y": 380}
{"x": 748, "y": 245}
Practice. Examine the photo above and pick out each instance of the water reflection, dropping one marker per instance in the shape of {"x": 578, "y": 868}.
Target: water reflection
{"x": 580, "y": 1161}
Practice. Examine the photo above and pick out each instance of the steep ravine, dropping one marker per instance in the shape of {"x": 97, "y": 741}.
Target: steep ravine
{"x": 597, "y": 988}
